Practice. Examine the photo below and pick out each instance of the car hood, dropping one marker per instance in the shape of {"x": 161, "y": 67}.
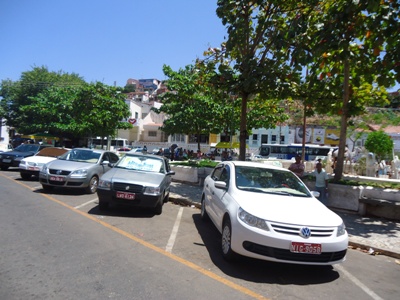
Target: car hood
{"x": 134, "y": 176}
{"x": 288, "y": 209}
{"x": 39, "y": 159}
{"x": 68, "y": 165}
{"x": 18, "y": 153}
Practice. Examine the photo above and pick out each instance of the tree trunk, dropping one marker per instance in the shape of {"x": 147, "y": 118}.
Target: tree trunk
{"x": 343, "y": 123}
{"x": 243, "y": 128}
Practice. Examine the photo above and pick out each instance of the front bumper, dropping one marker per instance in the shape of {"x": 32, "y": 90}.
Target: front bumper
{"x": 140, "y": 200}
{"x": 66, "y": 183}
{"x": 275, "y": 246}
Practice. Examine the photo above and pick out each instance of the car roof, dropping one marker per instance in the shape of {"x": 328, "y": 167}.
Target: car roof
{"x": 93, "y": 150}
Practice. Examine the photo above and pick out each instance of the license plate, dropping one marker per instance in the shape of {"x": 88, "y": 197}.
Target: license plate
{"x": 57, "y": 178}
{"x": 305, "y": 248}
{"x": 124, "y": 195}
{"x": 7, "y": 161}
{"x": 33, "y": 168}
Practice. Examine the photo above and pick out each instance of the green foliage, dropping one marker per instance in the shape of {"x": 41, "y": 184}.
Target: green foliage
{"x": 63, "y": 105}
{"x": 379, "y": 143}
{"x": 32, "y": 83}
{"x": 202, "y": 163}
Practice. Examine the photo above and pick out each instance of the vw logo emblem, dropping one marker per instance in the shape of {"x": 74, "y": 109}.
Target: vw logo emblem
{"x": 58, "y": 172}
{"x": 305, "y": 232}
{"x": 127, "y": 188}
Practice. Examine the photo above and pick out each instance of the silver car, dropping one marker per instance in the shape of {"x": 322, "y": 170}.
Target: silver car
{"x": 78, "y": 168}
{"x": 138, "y": 180}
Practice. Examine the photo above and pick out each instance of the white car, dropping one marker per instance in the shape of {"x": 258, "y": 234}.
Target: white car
{"x": 268, "y": 213}
{"x": 31, "y": 166}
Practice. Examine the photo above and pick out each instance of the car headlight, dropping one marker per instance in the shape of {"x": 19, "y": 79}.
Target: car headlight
{"x": 80, "y": 173}
{"x": 104, "y": 184}
{"x": 23, "y": 164}
{"x": 152, "y": 190}
{"x": 251, "y": 220}
{"x": 341, "y": 230}
{"x": 43, "y": 169}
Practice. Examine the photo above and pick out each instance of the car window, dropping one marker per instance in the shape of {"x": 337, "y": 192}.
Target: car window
{"x": 113, "y": 158}
{"x": 269, "y": 180}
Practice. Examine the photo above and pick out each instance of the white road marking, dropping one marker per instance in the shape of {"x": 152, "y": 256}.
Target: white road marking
{"x": 84, "y": 204}
{"x": 174, "y": 232}
{"x": 358, "y": 283}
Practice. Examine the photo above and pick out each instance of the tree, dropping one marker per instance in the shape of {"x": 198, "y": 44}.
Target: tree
{"x": 345, "y": 40}
{"x": 379, "y": 143}
{"x": 86, "y": 110}
{"x": 251, "y": 62}
{"x": 187, "y": 103}
{"x": 18, "y": 94}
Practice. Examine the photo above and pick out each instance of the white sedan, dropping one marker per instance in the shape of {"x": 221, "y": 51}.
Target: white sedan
{"x": 31, "y": 166}
{"x": 268, "y": 213}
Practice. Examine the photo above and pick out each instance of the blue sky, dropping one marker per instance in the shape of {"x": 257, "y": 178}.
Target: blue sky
{"x": 106, "y": 40}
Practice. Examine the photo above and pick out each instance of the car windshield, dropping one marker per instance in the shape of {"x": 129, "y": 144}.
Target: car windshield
{"x": 27, "y": 148}
{"x": 265, "y": 180}
{"x": 87, "y": 156}
{"x": 140, "y": 163}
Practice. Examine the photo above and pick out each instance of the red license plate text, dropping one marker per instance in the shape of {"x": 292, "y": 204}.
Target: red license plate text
{"x": 124, "y": 195}
{"x": 57, "y": 178}
{"x": 305, "y": 248}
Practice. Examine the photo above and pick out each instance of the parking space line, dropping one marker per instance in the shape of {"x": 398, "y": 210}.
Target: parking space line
{"x": 174, "y": 232}
{"x": 86, "y": 203}
{"x": 161, "y": 251}
{"x": 358, "y": 283}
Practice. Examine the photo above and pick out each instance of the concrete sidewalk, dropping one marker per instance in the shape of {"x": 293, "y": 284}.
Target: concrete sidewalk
{"x": 372, "y": 234}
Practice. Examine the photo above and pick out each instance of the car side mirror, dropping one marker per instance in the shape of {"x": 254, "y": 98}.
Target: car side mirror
{"x": 171, "y": 173}
{"x": 105, "y": 162}
{"x": 315, "y": 194}
{"x": 220, "y": 185}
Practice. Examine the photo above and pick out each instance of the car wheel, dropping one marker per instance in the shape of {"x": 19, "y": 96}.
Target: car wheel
{"x": 204, "y": 215}
{"x": 226, "y": 240}
{"x": 4, "y": 168}
{"x": 25, "y": 176}
{"x": 93, "y": 183}
{"x": 103, "y": 205}
{"x": 47, "y": 187}
{"x": 158, "y": 208}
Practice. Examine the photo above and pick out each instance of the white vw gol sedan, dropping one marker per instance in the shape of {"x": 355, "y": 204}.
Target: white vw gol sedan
{"x": 268, "y": 213}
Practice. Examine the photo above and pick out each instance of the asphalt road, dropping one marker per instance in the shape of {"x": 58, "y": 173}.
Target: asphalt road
{"x": 58, "y": 245}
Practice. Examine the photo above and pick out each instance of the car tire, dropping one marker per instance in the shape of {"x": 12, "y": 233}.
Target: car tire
{"x": 93, "y": 183}
{"x": 203, "y": 212}
{"x": 226, "y": 239}
{"x": 25, "y": 176}
{"x": 103, "y": 205}
{"x": 158, "y": 208}
{"x": 47, "y": 187}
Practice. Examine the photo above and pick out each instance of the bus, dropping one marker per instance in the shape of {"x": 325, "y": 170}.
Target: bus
{"x": 116, "y": 143}
{"x": 288, "y": 151}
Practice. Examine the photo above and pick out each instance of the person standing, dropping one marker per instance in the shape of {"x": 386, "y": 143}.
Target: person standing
{"x": 297, "y": 167}
{"x": 321, "y": 183}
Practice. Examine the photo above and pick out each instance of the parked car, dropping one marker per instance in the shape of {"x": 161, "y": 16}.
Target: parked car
{"x": 13, "y": 158}
{"x": 138, "y": 180}
{"x": 77, "y": 168}
{"x": 30, "y": 166}
{"x": 136, "y": 149}
{"x": 268, "y": 213}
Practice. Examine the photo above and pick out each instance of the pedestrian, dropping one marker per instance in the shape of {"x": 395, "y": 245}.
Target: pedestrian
{"x": 297, "y": 167}
{"x": 321, "y": 183}
{"x": 144, "y": 149}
